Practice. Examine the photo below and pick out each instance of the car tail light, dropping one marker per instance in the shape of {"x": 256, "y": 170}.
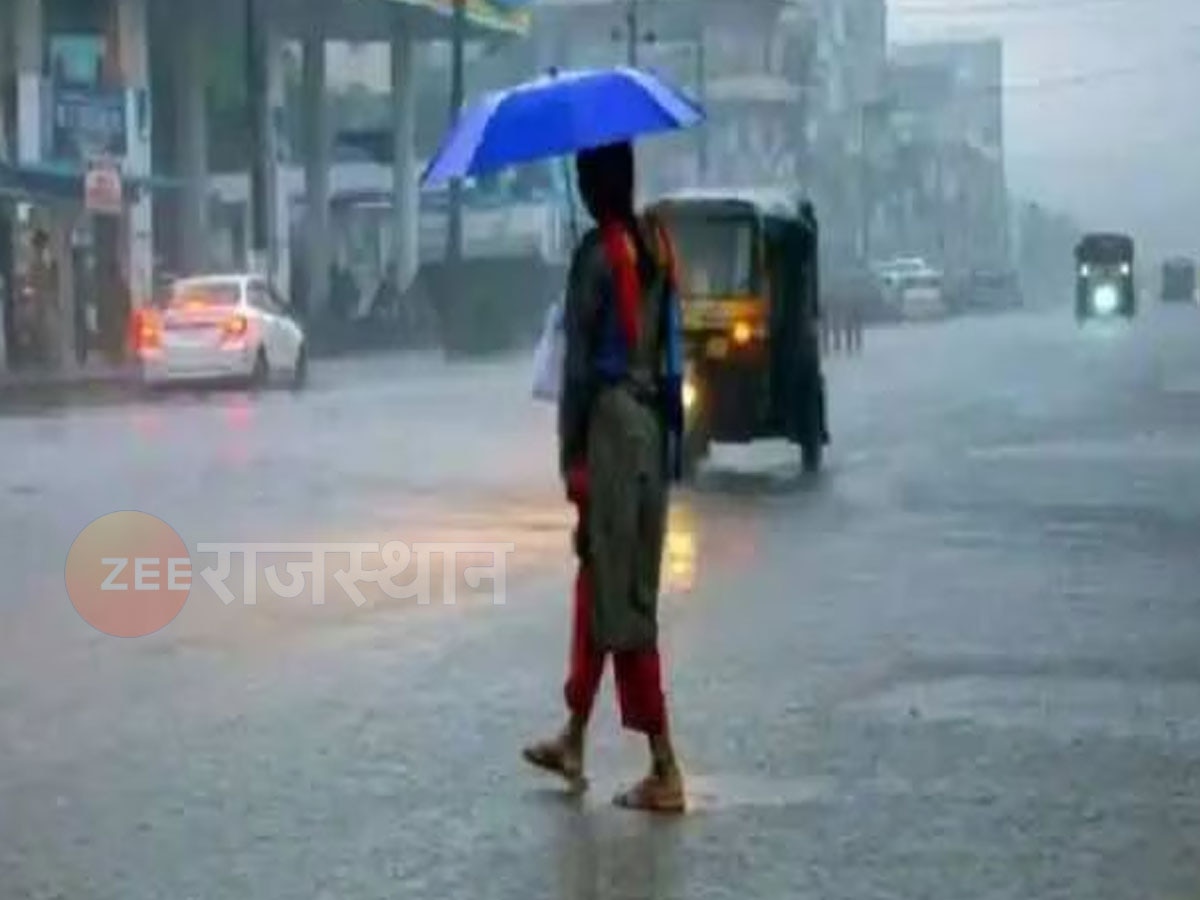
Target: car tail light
{"x": 147, "y": 331}
{"x": 235, "y": 327}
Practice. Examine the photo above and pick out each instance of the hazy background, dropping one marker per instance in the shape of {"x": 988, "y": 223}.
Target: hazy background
{"x": 1102, "y": 107}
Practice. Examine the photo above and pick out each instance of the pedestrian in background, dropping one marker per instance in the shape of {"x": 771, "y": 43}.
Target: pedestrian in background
{"x": 620, "y": 430}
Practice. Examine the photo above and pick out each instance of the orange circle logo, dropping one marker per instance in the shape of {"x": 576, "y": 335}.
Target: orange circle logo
{"x": 129, "y": 574}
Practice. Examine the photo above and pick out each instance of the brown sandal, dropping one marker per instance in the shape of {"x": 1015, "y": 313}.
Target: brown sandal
{"x": 553, "y": 757}
{"x": 655, "y": 794}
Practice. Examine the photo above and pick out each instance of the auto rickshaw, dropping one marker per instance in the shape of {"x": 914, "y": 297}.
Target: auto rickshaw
{"x": 1104, "y": 277}
{"x": 749, "y": 291}
{"x": 1179, "y": 281}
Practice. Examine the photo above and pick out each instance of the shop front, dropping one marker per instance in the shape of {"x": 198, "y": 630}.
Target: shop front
{"x": 64, "y": 281}
{"x": 65, "y": 211}
{"x": 35, "y": 273}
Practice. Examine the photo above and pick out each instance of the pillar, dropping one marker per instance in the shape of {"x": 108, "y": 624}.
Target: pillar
{"x": 134, "y": 66}
{"x": 191, "y": 117}
{"x": 29, "y": 46}
{"x": 8, "y": 70}
{"x": 405, "y": 203}
{"x": 316, "y": 172}
{"x": 279, "y": 222}
{"x": 7, "y": 45}
{"x": 62, "y": 231}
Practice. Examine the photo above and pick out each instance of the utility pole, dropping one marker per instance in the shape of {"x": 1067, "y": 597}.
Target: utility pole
{"x": 632, "y": 32}
{"x": 864, "y": 178}
{"x": 256, "y": 84}
{"x": 454, "y": 230}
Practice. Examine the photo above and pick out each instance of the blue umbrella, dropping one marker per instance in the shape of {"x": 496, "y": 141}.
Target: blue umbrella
{"x": 556, "y": 115}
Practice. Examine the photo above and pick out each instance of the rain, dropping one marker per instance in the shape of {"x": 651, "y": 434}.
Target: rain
{"x": 288, "y": 554}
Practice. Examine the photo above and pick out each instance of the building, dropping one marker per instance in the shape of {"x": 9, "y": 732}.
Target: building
{"x": 745, "y": 62}
{"x": 119, "y": 88}
{"x": 76, "y": 92}
{"x": 947, "y": 195}
{"x": 846, "y": 122}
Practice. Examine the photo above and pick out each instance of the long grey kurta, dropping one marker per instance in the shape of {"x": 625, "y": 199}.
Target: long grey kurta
{"x": 622, "y": 439}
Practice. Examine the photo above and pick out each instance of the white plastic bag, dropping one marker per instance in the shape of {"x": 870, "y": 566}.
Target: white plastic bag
{"x": 549, "y": 356}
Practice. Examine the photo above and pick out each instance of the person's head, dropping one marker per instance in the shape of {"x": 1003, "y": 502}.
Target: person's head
{"x": 606, "y": 181}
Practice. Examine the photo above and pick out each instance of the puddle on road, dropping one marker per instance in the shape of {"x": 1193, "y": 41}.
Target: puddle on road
{"x": 715, "y": 792}
{"x": 718, "y": 793}
{"x": 1063, "y": 708}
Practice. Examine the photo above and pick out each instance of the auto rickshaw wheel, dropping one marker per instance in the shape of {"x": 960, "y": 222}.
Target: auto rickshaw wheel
{"x": 816, "y": 435}
{"x": 696, "y": 446}
{"x": 812, "y": 455}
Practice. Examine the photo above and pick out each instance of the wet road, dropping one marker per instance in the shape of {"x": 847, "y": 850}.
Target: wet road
{"x": 965, "y": 663}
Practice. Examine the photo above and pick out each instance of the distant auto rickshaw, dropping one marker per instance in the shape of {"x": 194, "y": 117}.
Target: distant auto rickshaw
{"x": 749, "y": 291}
{"x": 1179, "y": 281}
{"x": 1104, "y": 277}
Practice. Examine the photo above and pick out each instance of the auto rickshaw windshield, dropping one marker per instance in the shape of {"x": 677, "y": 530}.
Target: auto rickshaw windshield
{"x": 716, "y": 256}
{"x": 1105, "y": 250}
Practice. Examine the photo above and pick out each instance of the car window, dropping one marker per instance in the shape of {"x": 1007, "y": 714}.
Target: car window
{"x": 193, "y": 295}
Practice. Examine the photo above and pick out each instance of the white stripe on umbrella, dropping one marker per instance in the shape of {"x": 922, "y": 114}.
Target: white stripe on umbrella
{"x": 675, "y": 104}
{"x": 464, "y": 142}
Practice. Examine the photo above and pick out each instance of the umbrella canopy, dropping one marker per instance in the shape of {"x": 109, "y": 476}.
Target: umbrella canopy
{"x": 556, "y": 115}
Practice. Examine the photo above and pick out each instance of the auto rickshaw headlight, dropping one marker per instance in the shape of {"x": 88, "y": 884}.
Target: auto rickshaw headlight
{"x": 742, "y": 333}
{"x": 689, "y": 395}
{"x": 1106, "y": 300}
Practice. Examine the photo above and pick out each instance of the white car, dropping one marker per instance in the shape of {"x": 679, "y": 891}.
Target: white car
{"x": 913, "y": 288}
{"x": 221, "y": 327}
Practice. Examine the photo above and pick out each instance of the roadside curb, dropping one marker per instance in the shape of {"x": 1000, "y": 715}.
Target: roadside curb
{"x": 21, "y": 392}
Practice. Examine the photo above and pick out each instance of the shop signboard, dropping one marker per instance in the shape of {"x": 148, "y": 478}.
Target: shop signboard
{"x": 88, "y": 121}
{"x": 103, "y": 191}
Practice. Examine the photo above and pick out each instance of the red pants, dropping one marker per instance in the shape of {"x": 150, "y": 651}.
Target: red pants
{"x": 638, "y": 673}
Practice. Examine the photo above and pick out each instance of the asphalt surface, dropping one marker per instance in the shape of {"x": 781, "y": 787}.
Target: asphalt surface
{"x": 964, "y": 663}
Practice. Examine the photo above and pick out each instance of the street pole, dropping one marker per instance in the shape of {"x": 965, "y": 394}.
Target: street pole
{"x": 256, "y": 83}
{"x": 454, "y": 235}
{"x": 631, "y": 33}
{"x": 863, "y": 178}
{"x": 702, "y": 90}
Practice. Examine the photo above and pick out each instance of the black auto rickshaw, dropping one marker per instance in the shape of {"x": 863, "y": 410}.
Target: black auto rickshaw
{"x": 1179, "y": 281}
{"x": 1104, "y": 277}
{"x": 749, "y": 291}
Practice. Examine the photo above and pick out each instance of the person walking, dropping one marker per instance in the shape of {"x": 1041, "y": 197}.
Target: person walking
{"x": 620, "y": 431}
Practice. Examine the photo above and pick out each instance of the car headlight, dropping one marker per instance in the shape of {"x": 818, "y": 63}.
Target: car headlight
{"x": 1106, "y": 300}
